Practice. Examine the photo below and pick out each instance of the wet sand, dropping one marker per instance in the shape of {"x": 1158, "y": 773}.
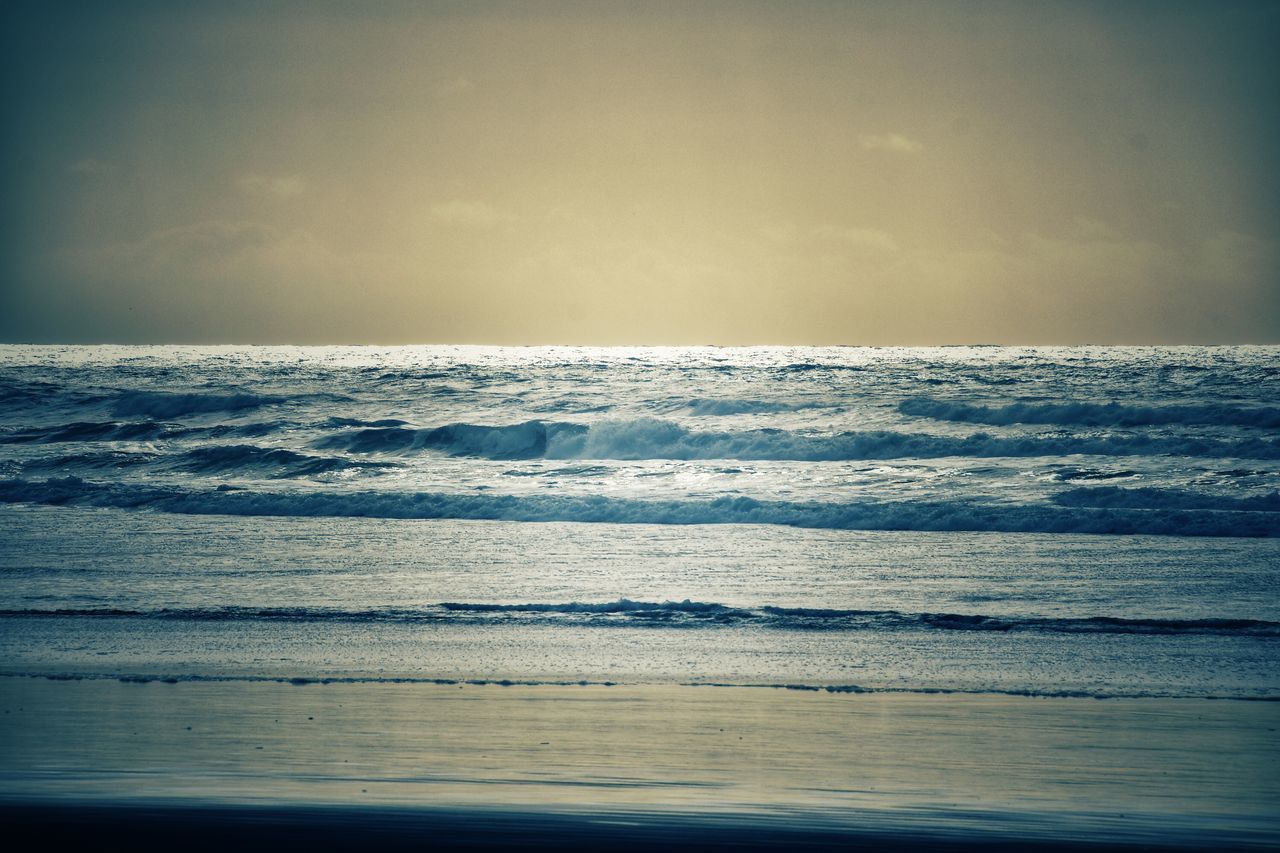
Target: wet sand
{"x": 646, "y": 764}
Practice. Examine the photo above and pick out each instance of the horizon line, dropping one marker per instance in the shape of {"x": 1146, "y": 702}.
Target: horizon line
{"x": 704, "y": 345}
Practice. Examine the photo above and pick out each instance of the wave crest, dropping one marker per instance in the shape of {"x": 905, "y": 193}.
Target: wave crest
{"x": 526, "y": 440}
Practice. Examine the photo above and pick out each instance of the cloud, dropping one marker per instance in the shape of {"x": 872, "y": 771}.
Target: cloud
{"x": 782, "y": 233}
{"x": 470, "y": 214}
{"x": 894, "y": 142}
{"x": 278, "y": 187}
{"x": 91, "y": 168}
{"x": 207, "y": 252}
{"x": 452, "y": 87}
{"x": 862, "y": 239}
{"x": 865, "y": 241}
{"x": 232, "y": 280}
{"x": 1230, "y": 257}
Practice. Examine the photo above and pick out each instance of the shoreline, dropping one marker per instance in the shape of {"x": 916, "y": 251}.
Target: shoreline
{"x": 765, "y": 767}
{"x": 249, "y": 827}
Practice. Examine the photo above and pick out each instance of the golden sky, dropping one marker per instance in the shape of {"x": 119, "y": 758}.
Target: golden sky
{"x": 641, "y": 173}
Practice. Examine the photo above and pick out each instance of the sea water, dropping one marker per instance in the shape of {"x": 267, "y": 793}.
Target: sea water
{"x": 1049, "y": 521}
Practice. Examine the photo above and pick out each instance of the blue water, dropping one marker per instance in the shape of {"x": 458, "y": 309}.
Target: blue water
{"x": 1082, "y": 521}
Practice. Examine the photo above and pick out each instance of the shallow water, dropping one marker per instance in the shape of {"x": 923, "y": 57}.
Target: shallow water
{"x": 975, "y": 771}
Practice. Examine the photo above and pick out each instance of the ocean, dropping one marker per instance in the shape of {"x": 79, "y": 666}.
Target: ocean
{"x": 1092, "y": 522}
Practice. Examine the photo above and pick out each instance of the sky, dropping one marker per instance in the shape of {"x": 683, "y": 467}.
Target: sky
{"x": 896, "y": 173}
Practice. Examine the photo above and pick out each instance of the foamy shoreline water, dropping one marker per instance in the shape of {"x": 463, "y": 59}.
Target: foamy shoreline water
{"x": 315, "y": 599}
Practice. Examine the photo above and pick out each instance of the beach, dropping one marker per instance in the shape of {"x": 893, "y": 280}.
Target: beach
{"x": 948, "y": 768}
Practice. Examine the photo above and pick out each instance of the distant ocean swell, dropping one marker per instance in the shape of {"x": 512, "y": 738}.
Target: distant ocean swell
{"x": 162, "y": 431}
{"x": 273, "y": 463}
{"x": 1113, "y": 511}
{"x": 154, "y": 404}
{"x": 1075, "y": 413}
{"x": 677, "y": 614}
{"x": 165, "y": 404}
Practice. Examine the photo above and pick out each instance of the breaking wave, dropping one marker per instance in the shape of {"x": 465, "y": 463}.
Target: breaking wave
{"x": 1170, "y": 520}
{"x": 652, "y": 438}
{"x": 275, "y": 462}
{"x": 1072, "y": 413}
{"x": 686, "y": 613}
{"x": 519, "y": 441}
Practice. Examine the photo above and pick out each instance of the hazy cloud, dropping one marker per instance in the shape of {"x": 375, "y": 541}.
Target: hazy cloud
{"x": 894, "y": 142}
{"x": 782, "y": 233}
{"x": 1233, "y": 258}
{"x": 280, "y": 187}
{"x": 91, "y": 168}
{"x": 227, "y": 280}
{"x": 863, "y": 239}
{"x": 452, "y": 87}
{"x": 470, "y": 214}
{"x": 205, "y": 252}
